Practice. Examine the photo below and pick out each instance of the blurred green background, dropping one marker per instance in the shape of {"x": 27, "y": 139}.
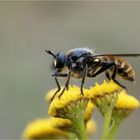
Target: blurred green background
{"x": 28, "y": 28}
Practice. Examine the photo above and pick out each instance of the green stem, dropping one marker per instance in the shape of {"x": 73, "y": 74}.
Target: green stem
{"x": 113, "y": 131}
{"x": 107, "y": 120}
{"x": 80, "y": 127}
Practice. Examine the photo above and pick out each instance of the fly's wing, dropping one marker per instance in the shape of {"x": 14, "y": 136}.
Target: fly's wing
{"x": 121, "y": 55}
{"x": 98, "y": 55}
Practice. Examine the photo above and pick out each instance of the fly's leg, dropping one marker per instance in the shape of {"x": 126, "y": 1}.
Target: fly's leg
{"x": 83, "y": 79}
{"x": 107, "y": 74}
{"x": 107, "y": 66}
{"x": 66, "y": 85}
{"x": 59, "y": 88}
{"x": 104, "y": 67}
{"x": 113, "y": 77}
{"x": 57, "y": 83}
{"x": 119, "y": 83}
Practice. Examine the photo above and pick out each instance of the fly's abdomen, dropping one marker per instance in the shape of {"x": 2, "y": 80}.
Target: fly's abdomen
{"x": 124, "y": 69}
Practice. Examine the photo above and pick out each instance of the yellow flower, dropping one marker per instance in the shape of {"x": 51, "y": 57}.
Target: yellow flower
{"x": 103, "y": 89}
{"x": 125, "y": 104}
{"x": 51, "y": 128}
{"x": 46, "y": 128}
{"x": 71, "y": 98}
{"x": 90, "y": 106}
{"x": 91, "y": 127}
{"x": 71, "y": 105}
{"x": 59, "y": 122}
{"x": 126, "y": 101}
{"x": 104, "y": 96}
{"x": 123, "y": 108}
{"x": 89, "y": 110}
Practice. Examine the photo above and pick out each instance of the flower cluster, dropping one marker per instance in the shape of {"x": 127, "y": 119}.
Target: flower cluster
{"x": 71, "y": 115}
{"x": 47, "y": 128}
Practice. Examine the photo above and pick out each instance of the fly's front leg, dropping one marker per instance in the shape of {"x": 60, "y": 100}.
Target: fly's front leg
{"x": 68, "y": 79}
{"x": 57, "y": 83}
{"x": 66, "y": 85}
{"x": 59, "y": 88}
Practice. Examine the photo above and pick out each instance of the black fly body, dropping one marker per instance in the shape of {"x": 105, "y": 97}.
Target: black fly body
{"x": 83, "y": 62}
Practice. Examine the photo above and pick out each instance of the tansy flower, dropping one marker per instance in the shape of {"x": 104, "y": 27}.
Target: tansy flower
{"x": 59, "y": 122}
{"x": 47, "y": 129}
{"x": 91, "y": 127}
{"x": 89, "y": 111}
{"x": 101, "y": 90}
{"x": 104, "y": 96}
{"x": 72, "y": 98}
{"x": 124, "y": 106}
{"x": 72, "y": 106}
{"x": 51, "y": 128}
{"x": 126, "y": 102}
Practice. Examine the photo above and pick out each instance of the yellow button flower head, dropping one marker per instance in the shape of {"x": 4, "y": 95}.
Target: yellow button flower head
{"x": 89, "y": 111}
{"x": 102, "y": 90}
{"x": 104, "y": 96}
{"x": 59, "y": 122}
{"x": 91, "y": 127}
{"x": 123, "y": 108}
{"x": 126, "y": 101}
{"x": 71, "y": 105}
{"x": 46, "y": 129}
{"x": 125, "y": 104}
{"x": 71, "y": 98}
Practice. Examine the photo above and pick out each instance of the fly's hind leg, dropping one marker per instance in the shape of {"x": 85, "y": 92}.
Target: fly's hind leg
{"x": 107, "y": 74}
{"x": 114, "y": 76}
{"x": 105, "y": 67}
{"x": 119, "y": 83}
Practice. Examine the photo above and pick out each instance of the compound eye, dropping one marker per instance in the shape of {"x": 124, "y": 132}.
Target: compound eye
{"x": 59, "y": 61}
{"x": 96, "y": 60}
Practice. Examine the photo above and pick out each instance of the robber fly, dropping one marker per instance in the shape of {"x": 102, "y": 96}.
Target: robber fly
{"x": 83, "y": 62}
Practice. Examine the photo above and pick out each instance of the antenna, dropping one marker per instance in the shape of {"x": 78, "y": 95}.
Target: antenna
{"x": 49, "y": 52}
